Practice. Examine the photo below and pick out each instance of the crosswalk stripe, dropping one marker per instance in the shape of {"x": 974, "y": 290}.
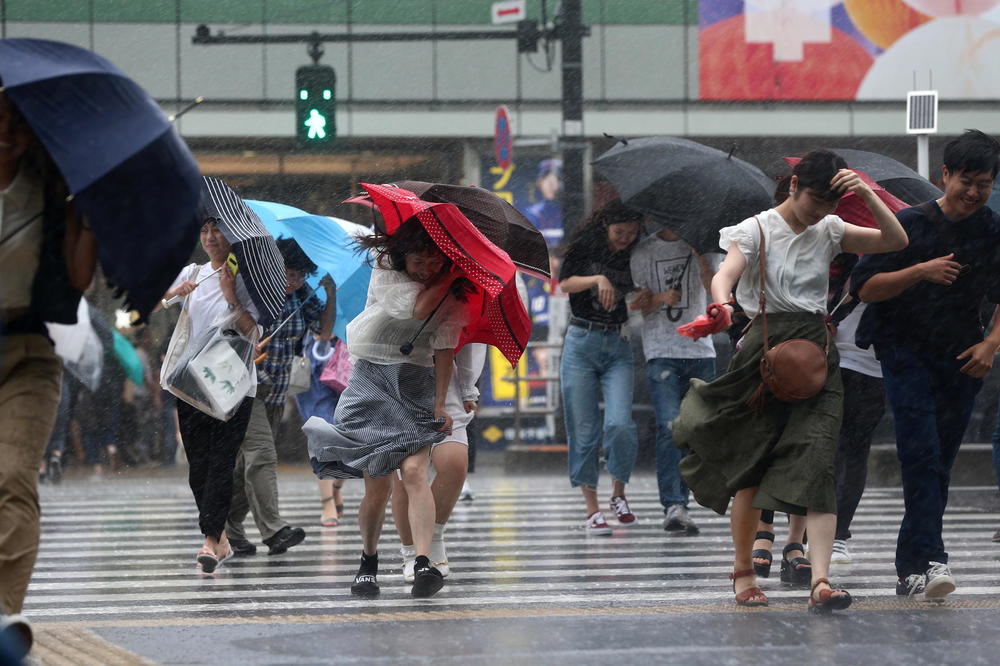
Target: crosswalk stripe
{"x": 117, "y": 558}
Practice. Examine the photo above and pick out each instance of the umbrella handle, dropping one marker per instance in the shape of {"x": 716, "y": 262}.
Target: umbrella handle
{"x": 322, "y": 344}
{"x": 177, "y": 299}
{"x": 263, "y": 343}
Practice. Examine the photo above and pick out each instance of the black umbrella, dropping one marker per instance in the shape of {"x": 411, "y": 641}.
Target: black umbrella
{"x": 691, "y": 189}
{"x": 899, "y": 179}
{"x": 261, "y": 267}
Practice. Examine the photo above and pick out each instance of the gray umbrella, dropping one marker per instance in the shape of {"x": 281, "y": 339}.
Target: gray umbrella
{"x": 691, "y": 189}
{"x": 900, "y": 180}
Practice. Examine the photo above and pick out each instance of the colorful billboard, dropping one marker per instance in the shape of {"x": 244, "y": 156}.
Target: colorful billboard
{"x": 816, "y": 50}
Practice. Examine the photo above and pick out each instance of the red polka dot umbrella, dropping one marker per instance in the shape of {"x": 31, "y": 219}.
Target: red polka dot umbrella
{"x": 497, "y": 316}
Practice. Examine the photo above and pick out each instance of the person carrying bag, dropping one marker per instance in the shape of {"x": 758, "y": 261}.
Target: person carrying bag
{"x": 209, "y": 366}
{"x": 779, "y": 455}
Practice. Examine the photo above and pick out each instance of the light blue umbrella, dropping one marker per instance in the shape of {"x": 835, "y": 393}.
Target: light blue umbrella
{"x": 329, "y": 243}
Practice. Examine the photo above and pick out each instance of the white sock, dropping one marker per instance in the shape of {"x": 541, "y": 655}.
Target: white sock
{"x": 438, "y": 532}
{"x": 408, "y": 552}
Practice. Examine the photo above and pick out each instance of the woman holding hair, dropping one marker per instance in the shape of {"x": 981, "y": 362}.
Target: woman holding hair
{"x": 777, "y": 455}
{"x": 211, "y": 445}
{"x": 597, "y": 359}
{"x": 394, "y": 407}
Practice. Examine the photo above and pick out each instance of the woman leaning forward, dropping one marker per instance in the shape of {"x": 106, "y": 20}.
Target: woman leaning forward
{"x": 779, "y": 456}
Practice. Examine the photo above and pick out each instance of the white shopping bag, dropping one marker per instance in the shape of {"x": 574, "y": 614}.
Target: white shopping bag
{"x": 221, "y": 374}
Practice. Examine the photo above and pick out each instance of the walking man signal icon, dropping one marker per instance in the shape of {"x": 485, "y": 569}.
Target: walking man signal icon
{"x": 316, "y": 124}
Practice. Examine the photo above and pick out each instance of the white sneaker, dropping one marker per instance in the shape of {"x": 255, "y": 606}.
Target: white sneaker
{"x": 840, "y": 553}
{"x": 409, "y": 554}
{"x": 596, "y": 525}
{"x": 940, "y": 582}
{"x": 438, "y": 556}
{"x": 466, "y": 494}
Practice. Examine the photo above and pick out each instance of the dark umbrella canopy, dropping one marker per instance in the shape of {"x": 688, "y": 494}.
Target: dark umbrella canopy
{"x": 899, "y": 179}
{"x": 691, "y": 189}
{"x": 261, "y": 267}
{"x": 128, "y": 170}
{"x": 500, "y": 222}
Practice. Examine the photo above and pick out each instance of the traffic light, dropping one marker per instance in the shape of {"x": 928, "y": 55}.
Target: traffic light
{"x": 315, "y": 106}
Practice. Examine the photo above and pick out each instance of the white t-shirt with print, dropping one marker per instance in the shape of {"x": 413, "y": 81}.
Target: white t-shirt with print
{"x": 659, "y": 265}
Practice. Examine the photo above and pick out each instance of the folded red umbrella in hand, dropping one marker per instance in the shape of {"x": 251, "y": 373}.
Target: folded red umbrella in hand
{"x": 715, "y": 320}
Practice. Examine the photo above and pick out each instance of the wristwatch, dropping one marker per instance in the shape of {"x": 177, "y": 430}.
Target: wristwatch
{"x": 232, "y": 306}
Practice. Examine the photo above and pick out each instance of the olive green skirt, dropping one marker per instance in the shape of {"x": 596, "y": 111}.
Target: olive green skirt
{"x": 785, "y": 450}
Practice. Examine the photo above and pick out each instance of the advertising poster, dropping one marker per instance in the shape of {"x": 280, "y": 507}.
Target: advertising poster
{"x": 533, "y": 185}
{"x": 847, "y": 49}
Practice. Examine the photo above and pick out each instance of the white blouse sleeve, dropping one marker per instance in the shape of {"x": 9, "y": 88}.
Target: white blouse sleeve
{"x": 835, "y": 228}
{"x": 746, "y": 235}
{"x": 448, "y": 332}
{"x": 395, "y": 292}
{"x": 468, "y": 366}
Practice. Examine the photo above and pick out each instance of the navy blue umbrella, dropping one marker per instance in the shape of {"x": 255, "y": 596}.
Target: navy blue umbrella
{"x": 128, "y": 170}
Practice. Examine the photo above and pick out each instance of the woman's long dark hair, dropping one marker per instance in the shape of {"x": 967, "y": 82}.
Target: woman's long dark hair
{"x": 390, "y": 250}
{"x": 595, "y": 232}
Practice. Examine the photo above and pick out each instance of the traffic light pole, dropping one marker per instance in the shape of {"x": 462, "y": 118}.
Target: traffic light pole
{"x": 569, "y": 29}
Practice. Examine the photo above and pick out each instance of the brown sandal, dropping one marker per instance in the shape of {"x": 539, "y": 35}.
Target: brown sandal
{"x": 752, "y": 596}
{"x": 829, "y": 600}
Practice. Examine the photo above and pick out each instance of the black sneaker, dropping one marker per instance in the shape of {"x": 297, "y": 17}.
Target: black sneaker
{"x": 996, "y": 537}
{"x": 365, "y": 586}
{"x": 912, "y": 586}
{"x": 242, "y": 547}
{"x": 426, "y": 579}
{"x": 54, "y": 470}
{"x": 16, "y": 636}
{"x": 283, "y": 539}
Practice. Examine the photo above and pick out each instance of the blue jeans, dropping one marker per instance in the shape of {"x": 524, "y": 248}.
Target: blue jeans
{"x": 596, "y": 362}
{"x": 996, "y": 449}
{"x": 931, "y": 402}
{"x": 669, "y": 379}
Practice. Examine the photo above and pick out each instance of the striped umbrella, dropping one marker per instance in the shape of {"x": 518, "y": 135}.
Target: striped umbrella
{"x": 261, "y": 267}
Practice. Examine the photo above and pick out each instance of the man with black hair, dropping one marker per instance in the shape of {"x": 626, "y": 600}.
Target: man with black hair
{"x": 924, "y": 323}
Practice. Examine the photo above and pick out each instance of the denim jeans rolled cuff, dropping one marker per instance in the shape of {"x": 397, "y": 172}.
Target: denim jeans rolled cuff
{"x": 596, "y": 364}
{"x": 669, "y": 379}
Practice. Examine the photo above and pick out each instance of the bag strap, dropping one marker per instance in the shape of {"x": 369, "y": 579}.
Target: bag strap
{"x": 762, "y": 313}
{"x": 762, "y": 299}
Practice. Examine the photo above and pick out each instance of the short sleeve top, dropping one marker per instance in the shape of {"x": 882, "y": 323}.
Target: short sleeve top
{"x": 798, "y": 265}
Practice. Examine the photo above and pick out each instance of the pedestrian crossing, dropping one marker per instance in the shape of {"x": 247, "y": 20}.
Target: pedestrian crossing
{"x": 126, "y": 552}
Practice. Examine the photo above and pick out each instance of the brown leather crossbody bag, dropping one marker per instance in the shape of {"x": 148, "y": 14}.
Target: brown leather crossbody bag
{"x": 793, "y": 370}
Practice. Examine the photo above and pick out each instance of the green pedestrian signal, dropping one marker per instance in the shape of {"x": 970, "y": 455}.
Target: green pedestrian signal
{"x": 315, "y": 106}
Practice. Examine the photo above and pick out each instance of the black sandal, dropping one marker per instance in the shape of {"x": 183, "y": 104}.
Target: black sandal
{"x": 798, "y": 570}
{"x": 763, "y": 570}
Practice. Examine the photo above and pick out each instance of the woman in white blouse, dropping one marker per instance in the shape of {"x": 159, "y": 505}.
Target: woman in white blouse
{"x": 779, "y": 456}
{"x": 394, "y": 406}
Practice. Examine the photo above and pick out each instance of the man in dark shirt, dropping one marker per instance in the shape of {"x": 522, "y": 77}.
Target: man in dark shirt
{"x": 927, "y": 333}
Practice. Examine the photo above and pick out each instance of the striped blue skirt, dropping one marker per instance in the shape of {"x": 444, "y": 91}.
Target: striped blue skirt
{"x": 385, "y": 414}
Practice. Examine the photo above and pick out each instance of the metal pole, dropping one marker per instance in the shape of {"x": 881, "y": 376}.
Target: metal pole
{"x": 572, "y": 31}
{"x": 924, "y": 155}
